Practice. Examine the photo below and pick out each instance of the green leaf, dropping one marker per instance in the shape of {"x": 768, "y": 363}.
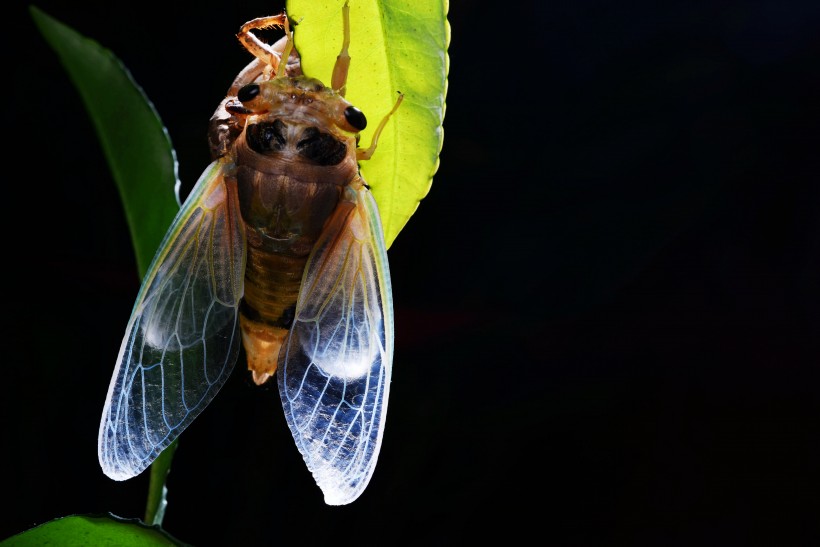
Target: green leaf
{"x": 395, "y": 45}
{"x": 142, "y": 161}
{"x": 98, "y": 530}
{"x": 133, "y": 138}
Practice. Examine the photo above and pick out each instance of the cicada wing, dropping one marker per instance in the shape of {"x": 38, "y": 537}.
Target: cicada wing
{"x": 182, "y": 339}
{"x": 334, "y": 371}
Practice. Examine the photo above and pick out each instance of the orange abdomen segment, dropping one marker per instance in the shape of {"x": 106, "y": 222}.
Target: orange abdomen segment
{"x": 271, "y": 288}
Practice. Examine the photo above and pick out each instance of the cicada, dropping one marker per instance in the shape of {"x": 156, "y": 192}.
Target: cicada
{"x": 278, "y": 249}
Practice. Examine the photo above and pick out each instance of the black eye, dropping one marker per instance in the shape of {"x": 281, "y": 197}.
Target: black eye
{"x": 248, "y": 92}
{"x": 355, "y": 117}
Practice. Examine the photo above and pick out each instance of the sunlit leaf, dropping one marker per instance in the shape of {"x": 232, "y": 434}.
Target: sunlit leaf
{"x": 97, "y": 530}
{"x": 395, "y": 45}
{"x": 135, "y": 142}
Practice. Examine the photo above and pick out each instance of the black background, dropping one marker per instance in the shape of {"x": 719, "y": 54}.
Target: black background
{"x": 606, "y": 308}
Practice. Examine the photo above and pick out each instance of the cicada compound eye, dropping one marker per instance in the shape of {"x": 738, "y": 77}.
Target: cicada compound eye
{"x": 355, "y": 117}
{"x": 248, "y": 93}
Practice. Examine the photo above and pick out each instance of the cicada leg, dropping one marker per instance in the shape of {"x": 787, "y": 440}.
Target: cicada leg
{"x": 339, "y": 78}
{"x": 367, "y": 153}
{"x": 263, "y": 51}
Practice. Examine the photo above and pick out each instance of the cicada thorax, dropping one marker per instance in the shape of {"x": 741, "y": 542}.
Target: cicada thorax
{"x": 294, "y": 156}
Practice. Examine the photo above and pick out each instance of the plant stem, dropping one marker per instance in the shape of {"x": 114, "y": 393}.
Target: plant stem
{"x": 157, "y": 492}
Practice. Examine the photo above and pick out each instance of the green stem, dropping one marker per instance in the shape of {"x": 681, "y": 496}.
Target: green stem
{"x": 157, "y": 492}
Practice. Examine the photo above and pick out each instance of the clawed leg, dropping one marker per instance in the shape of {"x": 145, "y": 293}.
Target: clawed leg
{"x": 263, "y": 51}
{"x": 365, "y": 154}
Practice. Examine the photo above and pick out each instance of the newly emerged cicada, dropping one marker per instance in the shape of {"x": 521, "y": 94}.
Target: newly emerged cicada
{"x": 278, "y": 248}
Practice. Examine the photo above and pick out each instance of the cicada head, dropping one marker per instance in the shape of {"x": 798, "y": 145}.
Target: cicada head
{"x": 303, "y": 100}
{"x": 297, "y": 121}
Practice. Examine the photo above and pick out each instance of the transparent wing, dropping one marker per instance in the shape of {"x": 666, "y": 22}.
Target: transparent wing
{"x": 334, "y": 374}
{"x": 182, "y": 341}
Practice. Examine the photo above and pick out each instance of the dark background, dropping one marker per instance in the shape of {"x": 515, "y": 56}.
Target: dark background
{"x": 606, "y": 308}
